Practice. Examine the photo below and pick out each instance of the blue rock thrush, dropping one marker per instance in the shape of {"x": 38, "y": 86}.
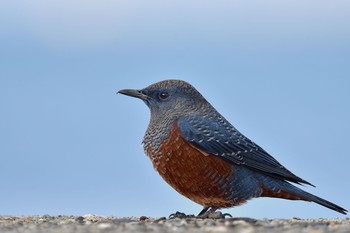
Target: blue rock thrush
{"x": 203, "y": 157}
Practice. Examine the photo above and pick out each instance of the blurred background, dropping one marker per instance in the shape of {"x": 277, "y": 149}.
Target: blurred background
{"x": 278, "y": 70}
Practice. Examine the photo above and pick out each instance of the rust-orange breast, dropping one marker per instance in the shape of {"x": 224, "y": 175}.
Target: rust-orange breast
{"x": 203, "y": 178}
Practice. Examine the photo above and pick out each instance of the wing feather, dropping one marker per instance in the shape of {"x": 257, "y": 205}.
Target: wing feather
{"x": 216, "y": 136}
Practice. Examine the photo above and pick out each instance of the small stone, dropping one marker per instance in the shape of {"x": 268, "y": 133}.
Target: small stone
{"x": 79, "y": 219}
{"x": 160, "y": 220}
{"x": 216, "y": 215}
{"x": 216, "y": 229}
{"x": 104, "y": 225}
{"x": 143, "y": 218}
{"x": 91, "y": 217}
{"x": 210, "y": 222}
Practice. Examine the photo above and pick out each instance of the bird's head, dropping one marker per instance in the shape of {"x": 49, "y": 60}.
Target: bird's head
{"x": 169, "y": 97}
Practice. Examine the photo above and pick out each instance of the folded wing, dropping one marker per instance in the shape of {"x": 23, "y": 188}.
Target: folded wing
{"x": 216, "y": 136}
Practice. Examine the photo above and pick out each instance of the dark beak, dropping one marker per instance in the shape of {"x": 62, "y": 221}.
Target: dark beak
{"x": 134, "y": 93}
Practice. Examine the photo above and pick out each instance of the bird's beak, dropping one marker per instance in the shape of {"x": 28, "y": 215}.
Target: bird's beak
{"x": 134, "y": 93}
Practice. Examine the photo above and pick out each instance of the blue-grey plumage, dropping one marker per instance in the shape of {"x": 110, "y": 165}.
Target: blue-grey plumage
{"x": 187, "y": 137}
{"x": 227, "y": 142}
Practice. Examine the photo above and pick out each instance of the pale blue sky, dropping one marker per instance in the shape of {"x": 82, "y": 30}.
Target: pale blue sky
{"x": 278, "y": 70}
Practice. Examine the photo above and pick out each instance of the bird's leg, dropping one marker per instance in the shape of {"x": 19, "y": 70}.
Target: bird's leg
{"x": 204, "y": 210}
{"x": 212, "y": 213}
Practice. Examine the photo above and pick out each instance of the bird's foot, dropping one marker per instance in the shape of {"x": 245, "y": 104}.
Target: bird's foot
{"x": 212, "y": 213}
{"x": 207, "y": 212}
{"x": 180, "y": 215}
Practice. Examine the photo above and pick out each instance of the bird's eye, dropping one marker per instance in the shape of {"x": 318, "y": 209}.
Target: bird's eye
{"x": 163, "y": 95}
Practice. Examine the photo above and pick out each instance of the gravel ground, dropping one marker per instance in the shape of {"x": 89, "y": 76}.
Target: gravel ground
{"x": 92, "y": 223}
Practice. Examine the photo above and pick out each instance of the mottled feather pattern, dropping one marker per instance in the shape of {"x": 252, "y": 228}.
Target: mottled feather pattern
{"x": 216, "y": 136}
{"x": 203, "y": 179}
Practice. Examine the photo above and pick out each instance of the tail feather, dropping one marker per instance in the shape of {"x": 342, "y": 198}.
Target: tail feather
{"x": 291, "y": 192}
{"x": 328, "y": 204}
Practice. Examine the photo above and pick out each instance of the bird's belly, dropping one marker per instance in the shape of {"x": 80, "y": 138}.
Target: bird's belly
{"x": 203, "y": 178}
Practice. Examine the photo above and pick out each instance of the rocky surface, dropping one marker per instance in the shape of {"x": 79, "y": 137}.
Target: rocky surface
{"x": 92, "y": 223}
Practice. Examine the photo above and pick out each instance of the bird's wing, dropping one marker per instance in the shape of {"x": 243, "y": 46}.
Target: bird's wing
{"x": 216, "y": 136}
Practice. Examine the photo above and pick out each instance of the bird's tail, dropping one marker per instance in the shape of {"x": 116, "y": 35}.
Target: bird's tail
{"x": 291, "y": 192}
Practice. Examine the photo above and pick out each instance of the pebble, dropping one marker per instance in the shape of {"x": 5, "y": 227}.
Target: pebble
{"x": 90, "y": 223}
{"x": 104, "y": 225}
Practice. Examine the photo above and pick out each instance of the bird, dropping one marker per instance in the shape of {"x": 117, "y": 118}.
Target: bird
{"x": 205, "y": 158}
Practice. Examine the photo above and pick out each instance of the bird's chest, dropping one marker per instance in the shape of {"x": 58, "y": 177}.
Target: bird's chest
{"x": 199, "y": 176}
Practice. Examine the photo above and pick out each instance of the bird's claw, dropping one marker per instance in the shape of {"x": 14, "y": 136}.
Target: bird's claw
{"x": 180, "y": 215}
{"x": 214, "y": 215}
